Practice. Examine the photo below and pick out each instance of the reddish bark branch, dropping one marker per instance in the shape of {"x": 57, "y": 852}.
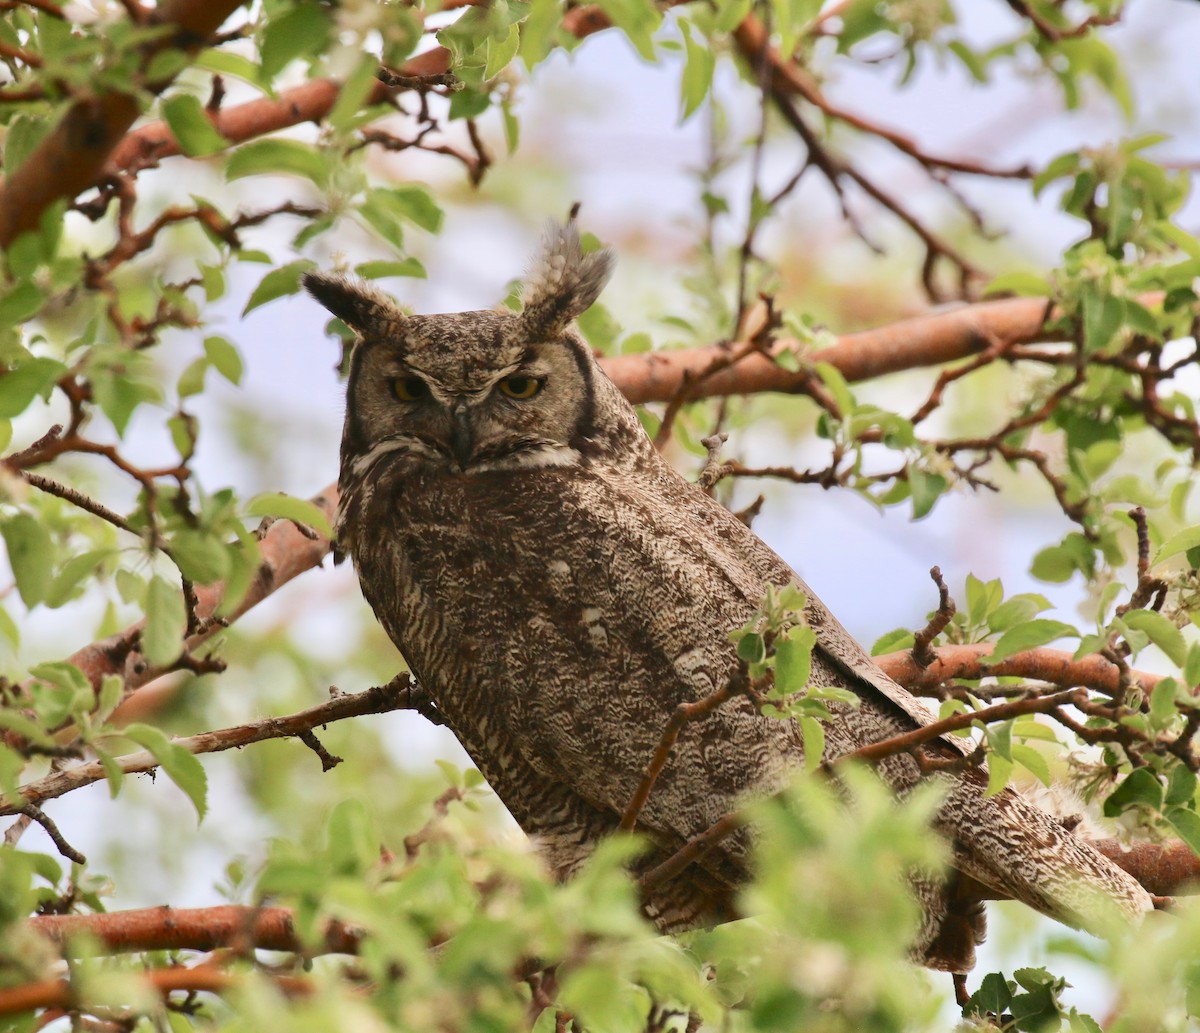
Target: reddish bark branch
{"x": 59, "y": 993}
{"x": 1164, "y": 869}
{"x": 1056, "y": 666}
{"x": 202, "y": 928}
{"x": 957, "y": 722}
{"x": 927, "y": 340}
{"x": 309, "y": 102}
{"x": 70, "y": 158}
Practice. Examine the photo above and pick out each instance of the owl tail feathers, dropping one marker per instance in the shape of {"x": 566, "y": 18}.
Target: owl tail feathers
{"x": 953, "y": 922}
{"x": 1018, "y": 850}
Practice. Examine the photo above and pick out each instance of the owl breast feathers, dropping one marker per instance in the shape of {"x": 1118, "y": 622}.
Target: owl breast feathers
{"x": 559, "y": 590}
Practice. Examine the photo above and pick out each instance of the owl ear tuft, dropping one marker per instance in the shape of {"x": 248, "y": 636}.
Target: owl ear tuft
{"x": 362, "y": 307}
{"x": 563, "y": 281}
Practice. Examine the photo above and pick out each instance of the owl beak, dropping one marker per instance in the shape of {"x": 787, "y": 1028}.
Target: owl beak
{"x": 462, "y": 441}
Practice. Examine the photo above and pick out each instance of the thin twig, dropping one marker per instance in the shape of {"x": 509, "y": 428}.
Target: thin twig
{"x": 35, "y": 813}
{"x": 922, "y": 655}
{"x": 379, "y": 700}
{"x": 737, "y": 685}
{"x": 693, "y": 850}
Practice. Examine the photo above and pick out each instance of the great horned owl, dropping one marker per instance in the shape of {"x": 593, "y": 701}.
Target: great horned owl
{"x": 558, "y": 588}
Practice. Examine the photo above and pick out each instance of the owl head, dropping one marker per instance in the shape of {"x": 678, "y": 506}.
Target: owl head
{"x": 469, "y": 392}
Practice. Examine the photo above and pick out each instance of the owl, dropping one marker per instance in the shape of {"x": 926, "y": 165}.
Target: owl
{"x": 558, "y": 588}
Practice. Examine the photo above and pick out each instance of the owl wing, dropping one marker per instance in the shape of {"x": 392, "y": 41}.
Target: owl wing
{"x": 675, "y": 573}
{"x": 647, "y": 581}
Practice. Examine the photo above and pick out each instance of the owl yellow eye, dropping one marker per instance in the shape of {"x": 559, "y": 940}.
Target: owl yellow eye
{"x": 520, "y": 387}
{"x": 410, "y": 389}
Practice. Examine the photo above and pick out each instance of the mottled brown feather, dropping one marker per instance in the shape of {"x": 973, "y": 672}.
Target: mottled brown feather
{"x": 559, "y": 589}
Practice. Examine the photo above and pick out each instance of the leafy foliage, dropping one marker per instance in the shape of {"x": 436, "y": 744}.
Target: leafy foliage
{"x": 119, "y": 369}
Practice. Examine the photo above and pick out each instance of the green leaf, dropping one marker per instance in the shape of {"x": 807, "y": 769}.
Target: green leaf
{"x": 201, "y": 557}
{"x": 1140, "y": 788}
{"x": 1024, "y": 284}
{"x": 982, "y": 598}
{"x": 469, "y": 103}
{"x": 222, "y": 62}
{"x": 413, "y": 203}
{"x": 1187, "y": 824}
{"x": 355, "y": 91}
{"x": 19, "y": 304}
{"x": 813, "y": 734}
{"x": 730, "y": 14}
{"x": 31, "y": 554}
{"x": 166, "y": 622}
{"x": 1181, "y": 786}
{"x": 1029, "y": 636}
{"x": 191, "y": 380}
{"x": 697, "y": 72}
{"x": 1062, "y": 166}
{"x": 1032, "y": 761}
{"x": 538, "y": 31}
{"x": 300, "y": 32}
{"x": 832, "y": 377}
{"x": 224, "y": 358}
{"x": 179, "y": 765}
{"x": 926, "y": 489}
{"x": 190, "y": 125}
{"x": 893, "y": 641}
{"x": 23, "y": 136}
{"x": 1185, "y": 540}
{"x": 751, "y": 648}
{"x": 1017, "y": 610}
{"x": 380, "y": 270}
{"x": 166, "y": 65}
{"x": 638, "y": 19}
{"x": 20, "y": 386}
{"x": 73, "y": 573}
{"x": 64, "y": 674}
{"x": 278, "y": 283}
{"x": 1161, "y": 632}
{"x": 113, "y": 773}
{"x": 14, "y": 721}
{"x": 999, "y": 738}
{"x": 1081, "y": 1023}
{"x": 1103, "y": 316}
{"x": 112, "y": 688}
{"x": 288, "y": 507}
{"x": 278, "y": 157}
{"x": 793, "y": 660}
{"x": 999, "y": 772}
{"x": 992, "y": 998}
{"x": 1191, "y": 670}
{"x": 500, "y": 51}
{"x": 1038, "y": 1009}
{"x": 212, "y": 280}
{"x": 1058, "y": 563}
{"x": 1162, "y": 702}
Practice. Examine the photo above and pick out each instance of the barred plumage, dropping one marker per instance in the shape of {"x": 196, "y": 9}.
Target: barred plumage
{"x": 559, "y": 589}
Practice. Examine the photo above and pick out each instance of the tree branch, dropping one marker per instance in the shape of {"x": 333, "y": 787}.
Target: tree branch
{"x": 397, "y": 694}
{"x": 1056, "y": 666}
{"x": 657, "y": 376}
{"x": 201, "y": 928}
{"x": 70, "y": 158}
{"x": 926, "y": 340}
{"x": 286, "y": 552}
{"x": 60, "y": 993}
